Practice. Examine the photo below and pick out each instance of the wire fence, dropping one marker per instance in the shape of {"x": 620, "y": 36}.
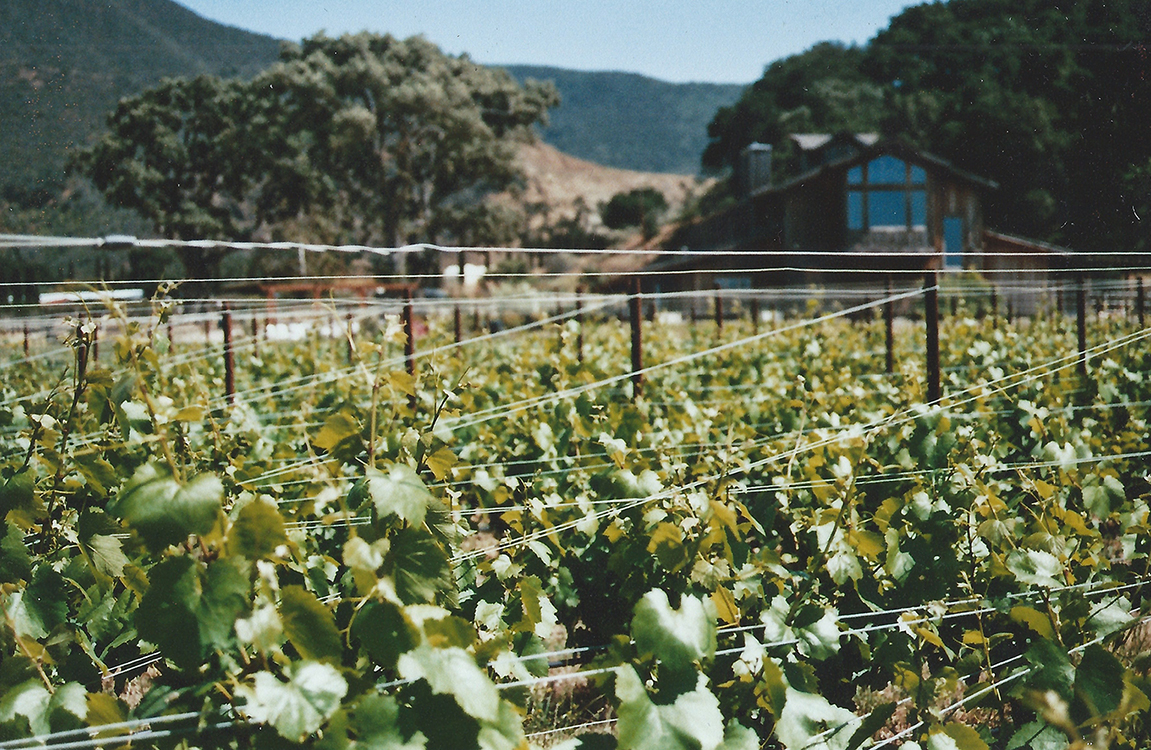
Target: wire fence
{"x": 195, "y": 324}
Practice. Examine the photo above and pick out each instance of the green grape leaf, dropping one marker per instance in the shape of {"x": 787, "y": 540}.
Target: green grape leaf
{"x": 103, "y": 551}
{"x": 1052, "y": 670}
{"x": 399, "y": 492}
{"x": 539, "y": 613}
{"x": 591, "y": 741}
{"x": 190, "y": 609}
{"x": 1038, "y": 735}
{"x": 164, "y": 511}
{"x": 98, "y": 474}
{"x": 814, "y": 627}
{"x": 384, "y": 632}
{"x": 263, "y": 629}
{"x": 299, "y": 707}
{"x": 18, "y": 493}
{"x": 108, "y": 617}
{"x": 692, "y": 721}
{"x": 226, "y": 596}
{"x": 1099, "y": 680}
{"x": 453, "y": 671}
{"x": 337, "y": 428}
{"x": 955, "y": 736}
{"x": 1101, "y": 495}
{"x": 377, "y": 723}
{"x": 1112, "y": 617}
{"x": 29, "y": 699}
{"x": 738, "y": 737}
{"x": 505, "y": 733}
{"x": 68, "y": 707}
{"x": 15, "y": 563}
{"x": 309, "y": 625}
{"x": 1033, "y": 567}
{"x": 40, "y": 607}
{"x": 257, "y": 531}
{"x": 677, "y": 637}
{"x": 420, "y": 567}
{"x": 810, "y": 721}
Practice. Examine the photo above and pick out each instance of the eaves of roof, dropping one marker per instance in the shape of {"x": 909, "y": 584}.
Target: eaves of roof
{"x": 879, "y": 147}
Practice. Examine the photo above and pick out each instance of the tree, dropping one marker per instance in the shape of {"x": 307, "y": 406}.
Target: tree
{"x": 822, "y": 89}
{"x": 407, "y": 138}
{"x": 639, "y": 207}
{"x": 366, "y": 138}
{"x": 177, "y": 155}
{"x": 1049, "y": 99}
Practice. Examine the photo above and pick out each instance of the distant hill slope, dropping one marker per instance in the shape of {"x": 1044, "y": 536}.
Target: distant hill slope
{"x": 559, "y": 179}
{"x": 630, "y": 121}
{"x": 65, "y": 63}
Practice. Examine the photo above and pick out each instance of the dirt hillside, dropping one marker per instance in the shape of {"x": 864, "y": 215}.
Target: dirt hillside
{"x": 559, "y": 180}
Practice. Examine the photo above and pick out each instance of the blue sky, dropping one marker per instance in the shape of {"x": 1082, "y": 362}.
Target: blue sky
{"x": 719, "y": 41}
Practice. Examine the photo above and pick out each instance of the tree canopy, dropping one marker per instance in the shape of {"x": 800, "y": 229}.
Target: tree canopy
{"x": 367, "y": 138}
{"x": 822, "y": 89}
{"x": 639, "y": 207}
{"x": 1049, "y": 99}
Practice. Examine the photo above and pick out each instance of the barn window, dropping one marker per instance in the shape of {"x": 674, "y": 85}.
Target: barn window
{"x": 886, "y": 192}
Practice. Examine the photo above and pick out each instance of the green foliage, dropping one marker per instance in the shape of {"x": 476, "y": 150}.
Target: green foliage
{"x": 639, "y": 207}
{"x": 813, "y": 562}
{"x": 820, "y": 90}
{"x": 299, "y": 707}
{"x": 375, "y": 139}
{"x": 165, "y": 511}
{"x": 1047, "y": 100}
{"x": 1002, "y": 92}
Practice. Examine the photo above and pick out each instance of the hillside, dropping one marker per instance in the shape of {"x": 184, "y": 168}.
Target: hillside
{"x": 560, "y": 180}
{"x": 630, "y": 121}
{"x": 65, "y": 63}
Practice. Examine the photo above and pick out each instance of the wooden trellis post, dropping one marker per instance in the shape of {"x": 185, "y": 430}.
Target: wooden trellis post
{"x": 931, "y": 314}
{"x": 1139, "y": 300}
{"x": 889, "y": 330}
{"x": 351, "y": 339}
{"x": 635, "y": 313}
{"x": 1081, "y": 324}
{"x": 229, "y": 356}
{"x": 409, "y": 343}
{"x": 579, "y": 323}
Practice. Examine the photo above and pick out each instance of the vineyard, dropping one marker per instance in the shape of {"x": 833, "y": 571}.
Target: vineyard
{"x": 509, "y": 522}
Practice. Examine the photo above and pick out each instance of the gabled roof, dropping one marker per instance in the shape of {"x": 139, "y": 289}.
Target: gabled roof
{"x": 867, "y": 152}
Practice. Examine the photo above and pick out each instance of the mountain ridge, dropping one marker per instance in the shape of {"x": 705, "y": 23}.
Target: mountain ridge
{"x": 621, "y": 119}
